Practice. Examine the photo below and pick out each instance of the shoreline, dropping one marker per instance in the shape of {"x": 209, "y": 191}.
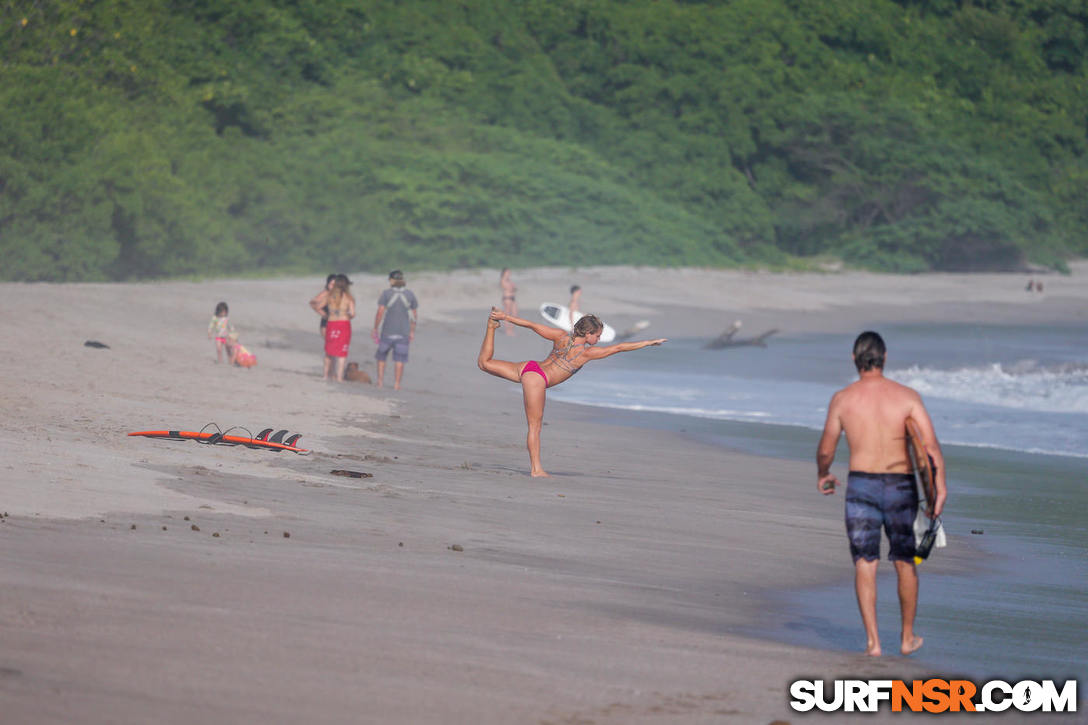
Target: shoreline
{"x": 614, "y": 591}
{"x": 785, "y": 617}
{"x": 815, "y": 430}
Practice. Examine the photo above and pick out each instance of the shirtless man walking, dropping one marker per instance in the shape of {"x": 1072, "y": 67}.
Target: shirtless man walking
{"x": 880, "y": 489}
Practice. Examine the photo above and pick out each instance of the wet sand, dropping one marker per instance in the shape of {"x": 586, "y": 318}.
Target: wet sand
{"x": 162, "y": 581}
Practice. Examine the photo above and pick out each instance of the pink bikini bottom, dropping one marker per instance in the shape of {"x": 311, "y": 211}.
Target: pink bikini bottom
{"x": 534, "y": 367}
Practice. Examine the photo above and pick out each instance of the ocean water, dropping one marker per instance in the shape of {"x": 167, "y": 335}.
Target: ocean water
{"x": 1017, "y": 388}
{"x": 1010, "y": 407}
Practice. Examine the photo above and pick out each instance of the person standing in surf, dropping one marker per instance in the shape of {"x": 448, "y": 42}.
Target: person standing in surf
{"x": 509, "y": 298}
{"x": 575, "y": 305}
{"x": 880, "y": 490}
{"x": 570, "y": 351}
{"x": 341, "y": 306}
{"x": 394, "y": 326}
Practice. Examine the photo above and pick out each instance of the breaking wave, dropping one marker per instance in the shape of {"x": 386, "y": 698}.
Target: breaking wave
{"x": 1025, "y": 385}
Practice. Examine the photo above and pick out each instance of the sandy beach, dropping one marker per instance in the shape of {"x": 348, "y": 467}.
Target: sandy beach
{"x": 161, "y": 581}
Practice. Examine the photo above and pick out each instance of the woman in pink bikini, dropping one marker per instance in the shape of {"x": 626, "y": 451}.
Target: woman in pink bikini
{"x": 570, "y": 351}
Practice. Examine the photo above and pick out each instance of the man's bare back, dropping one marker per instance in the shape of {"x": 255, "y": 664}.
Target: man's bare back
{"x": 873, "y": 413}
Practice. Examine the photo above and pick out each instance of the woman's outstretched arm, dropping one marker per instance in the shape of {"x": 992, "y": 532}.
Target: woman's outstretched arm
{"x": 545, "y": 331}
{"x": 597, "y": 353}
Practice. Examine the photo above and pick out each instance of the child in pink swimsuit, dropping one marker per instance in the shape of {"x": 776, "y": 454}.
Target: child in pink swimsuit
{"x": 219, "y": 329}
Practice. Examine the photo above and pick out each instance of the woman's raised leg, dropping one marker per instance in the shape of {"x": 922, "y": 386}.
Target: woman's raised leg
{"x": 486, "y": 361}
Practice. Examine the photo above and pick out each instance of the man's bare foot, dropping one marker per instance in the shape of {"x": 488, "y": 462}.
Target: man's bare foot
{"x": 396, "y": 386}
{"x": 873, "y": 650}
{"x": 540, "y": 474}
{"x": 912, "y": 646}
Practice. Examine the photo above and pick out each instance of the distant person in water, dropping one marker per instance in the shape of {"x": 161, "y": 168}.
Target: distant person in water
{"x": 880, "y": 490}
{"x": 219, "y": 329}
{"x": 341, "y": 306}
{"x": 509, "y": 299}
{"x": 320, "y": 303}
{"x": 575, "y": 305}
{"x": 570, "y": 351}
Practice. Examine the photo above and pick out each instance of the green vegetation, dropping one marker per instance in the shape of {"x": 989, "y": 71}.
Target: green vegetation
{"x": 149, "y": 138}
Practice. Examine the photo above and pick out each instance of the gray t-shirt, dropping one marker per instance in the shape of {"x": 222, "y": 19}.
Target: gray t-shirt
{"x": 397, "y": 301}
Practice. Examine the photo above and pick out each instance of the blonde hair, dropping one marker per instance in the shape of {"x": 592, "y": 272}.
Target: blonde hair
{"x": 586, "y": 325}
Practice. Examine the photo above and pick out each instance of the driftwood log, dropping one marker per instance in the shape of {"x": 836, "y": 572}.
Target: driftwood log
{"x": 633, "y": 330}
{"x": 729, "y": 339}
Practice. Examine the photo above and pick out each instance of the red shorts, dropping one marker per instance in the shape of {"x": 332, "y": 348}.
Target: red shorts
{"x": 337, "y": 338}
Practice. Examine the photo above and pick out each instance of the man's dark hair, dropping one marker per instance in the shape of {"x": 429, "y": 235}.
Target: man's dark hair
{"x": 869, "y": 351}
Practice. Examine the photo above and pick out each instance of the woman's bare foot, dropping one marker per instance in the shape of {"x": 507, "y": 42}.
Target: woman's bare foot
{"x": 540, "y": 474}
{"x": 911, "y": 646}
{"x": 873, "y": 650}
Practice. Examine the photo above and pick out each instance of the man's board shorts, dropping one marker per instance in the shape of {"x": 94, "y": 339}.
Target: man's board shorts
{"x": 337, "y": 338}
{"x": 881, "y": 499}
{"x": 397, "y": 343}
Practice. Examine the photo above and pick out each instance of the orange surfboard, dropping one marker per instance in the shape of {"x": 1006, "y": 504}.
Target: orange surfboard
{"x": 203, "y": 437}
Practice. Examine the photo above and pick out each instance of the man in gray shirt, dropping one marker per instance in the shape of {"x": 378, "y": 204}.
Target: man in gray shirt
{"x": 394, "y": 326}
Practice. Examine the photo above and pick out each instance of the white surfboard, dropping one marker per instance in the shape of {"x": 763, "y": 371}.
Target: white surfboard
{"x": 559, "y": 316}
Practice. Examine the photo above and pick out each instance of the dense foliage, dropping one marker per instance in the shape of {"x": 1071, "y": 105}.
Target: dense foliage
{"x": 144, "y": 138}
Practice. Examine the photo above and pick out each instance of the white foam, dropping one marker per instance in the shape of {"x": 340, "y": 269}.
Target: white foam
{"x": 715, "y": 413}
{"x": 1023, "y": 406}
{"x": 1022, "y": 386}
